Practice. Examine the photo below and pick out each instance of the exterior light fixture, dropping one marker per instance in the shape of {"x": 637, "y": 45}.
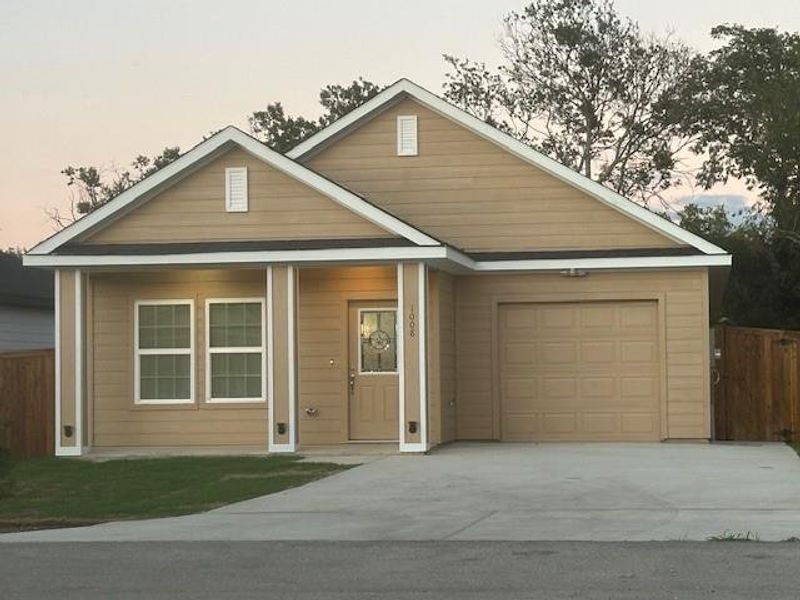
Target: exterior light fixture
{"x": 573, "y": 272}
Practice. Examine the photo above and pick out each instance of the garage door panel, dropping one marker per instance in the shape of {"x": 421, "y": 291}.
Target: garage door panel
{"x": 640, "y": 387}
{"x": 516, "y": 317}
{"x": 520, "y": 427}
{"x": 562, "y": 422}
{"x": 604, "y": 388}
{"x": 639, "y": 352}
{"x": 588, "y": 371}
{"x": 556, "y": 318}
{"x": 637, "y": 316}
{"x": 599, "y": 316}
{"x": 600, "y": 422}
{"x": 557, "y": 388}
{"x": 599, "y": 352}
{"x": 558, "y": 353}
{"x": 518, "y": 354}
{"x": 639, "y": 423}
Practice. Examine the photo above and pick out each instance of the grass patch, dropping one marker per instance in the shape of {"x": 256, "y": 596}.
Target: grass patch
{"x": 795, "y": 446}
{"x": 734, "y": 536}
{"x": 60, "y": 492}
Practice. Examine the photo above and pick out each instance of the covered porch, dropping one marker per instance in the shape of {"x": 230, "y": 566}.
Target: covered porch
{"x": 281, "y": 357}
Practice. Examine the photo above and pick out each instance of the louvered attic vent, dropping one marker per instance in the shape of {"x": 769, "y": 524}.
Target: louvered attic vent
{"x": 236, "y": 189}
{"x": 407, "y": 135}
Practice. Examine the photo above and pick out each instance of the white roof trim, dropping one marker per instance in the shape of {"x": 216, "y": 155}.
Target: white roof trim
{"x": 216, "y": 143}
{"x": 367, "y": 255}
{"x": 519, "y": 149}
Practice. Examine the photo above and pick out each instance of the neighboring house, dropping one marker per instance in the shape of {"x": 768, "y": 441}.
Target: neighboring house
{"x": 409, "y": 274}
{"x": 26, "y": 306}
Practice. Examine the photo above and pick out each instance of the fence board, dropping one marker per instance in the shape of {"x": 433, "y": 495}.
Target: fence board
{"x": 27, "y": 388}
{"x": 757, "y": 397}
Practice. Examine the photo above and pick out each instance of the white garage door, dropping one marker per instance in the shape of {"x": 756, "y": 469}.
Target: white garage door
{"x": 579, "y": 371}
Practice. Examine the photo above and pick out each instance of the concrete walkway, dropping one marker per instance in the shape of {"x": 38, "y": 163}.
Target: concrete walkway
{"x": 591, "y": 492}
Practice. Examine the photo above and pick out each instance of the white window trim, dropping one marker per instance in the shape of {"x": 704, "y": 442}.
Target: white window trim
{"x": 138, "y": 352}
{"x": 401, "y": 151}
{"x": 228, "y": 173}
{"x": 393, "y": 309}
{"x": 235, "y": 350}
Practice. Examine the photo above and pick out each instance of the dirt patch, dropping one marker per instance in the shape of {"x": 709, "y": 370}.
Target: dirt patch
{"x": 15, "y": 525}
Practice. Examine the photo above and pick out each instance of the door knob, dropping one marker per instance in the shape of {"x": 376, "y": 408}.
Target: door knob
{"x": 352, "y": 379}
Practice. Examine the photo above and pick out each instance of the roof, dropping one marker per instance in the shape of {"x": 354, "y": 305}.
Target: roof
{"x": 202, "y": 154}
{"x": 24, "y": 286}
{"x": 407, "y": 89}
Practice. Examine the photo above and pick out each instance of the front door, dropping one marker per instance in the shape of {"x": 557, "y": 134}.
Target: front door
{"x": 373, "y": 379}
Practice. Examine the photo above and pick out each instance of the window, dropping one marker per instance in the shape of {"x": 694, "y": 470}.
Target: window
{"x": 236, "y": 189}
{"x": 164, "y": 352}
{"x": 378, "y": 340}
{"x": 235, "y": 350}
{"x": 407, "y": 135}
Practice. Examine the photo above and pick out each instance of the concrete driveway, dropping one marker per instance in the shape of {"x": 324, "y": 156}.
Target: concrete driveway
{"x": 598, "y": 492}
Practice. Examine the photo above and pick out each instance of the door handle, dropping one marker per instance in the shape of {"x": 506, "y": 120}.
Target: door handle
{"x": 352, "y": 381}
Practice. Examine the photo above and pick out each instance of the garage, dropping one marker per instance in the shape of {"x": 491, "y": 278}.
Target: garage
{"x": 582, "y": 371}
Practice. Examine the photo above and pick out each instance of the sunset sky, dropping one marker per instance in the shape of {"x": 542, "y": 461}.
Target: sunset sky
{"x": 98, "y": 82}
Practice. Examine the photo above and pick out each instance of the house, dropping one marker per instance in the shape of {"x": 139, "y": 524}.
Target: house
{"x": 409, "y": 274}
{"x": 26, "y": 306}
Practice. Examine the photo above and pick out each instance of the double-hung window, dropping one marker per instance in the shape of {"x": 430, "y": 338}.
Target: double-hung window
{"x": 235, "y": 350}
{"x": 164, "y": 351}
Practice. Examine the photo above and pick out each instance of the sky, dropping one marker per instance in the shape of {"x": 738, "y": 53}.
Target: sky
{"x": 86, "y": 82}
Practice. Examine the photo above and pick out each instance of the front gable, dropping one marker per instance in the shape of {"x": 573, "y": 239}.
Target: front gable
{"x": 194, "y": 210}
{"x": 471, "y": 193}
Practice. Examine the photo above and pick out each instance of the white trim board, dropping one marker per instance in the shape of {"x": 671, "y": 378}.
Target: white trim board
{"x": 212, "y": 147}
{"x": 139, "y": 352}
{"x": 373, "y": 255}
{"x": 209, "y": 351}
{"x": 404, "y": 87}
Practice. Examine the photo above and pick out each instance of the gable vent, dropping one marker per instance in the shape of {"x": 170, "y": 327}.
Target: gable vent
{"x": 407, "y": 135}
{"x": 236, "y": 189}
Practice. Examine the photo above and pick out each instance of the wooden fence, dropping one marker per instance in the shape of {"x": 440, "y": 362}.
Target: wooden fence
{"x": 27, "y": 387}
{"x": 757, "y": 393}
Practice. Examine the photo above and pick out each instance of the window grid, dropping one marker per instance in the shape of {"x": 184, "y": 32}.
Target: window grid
{"x": 243, "y": 327}
{"x": 159, "y": 337}
{"x": 378, "y": 313}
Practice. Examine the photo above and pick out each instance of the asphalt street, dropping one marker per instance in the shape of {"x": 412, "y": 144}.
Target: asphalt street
{"x": 429, "y": 570}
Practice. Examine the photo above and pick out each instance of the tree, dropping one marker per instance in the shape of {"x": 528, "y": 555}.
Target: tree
{"x": 753, "y": 294}
{"x": 586, "y": 87}
{"x": 93, "y": 187}
{"x": 742, "y": 104}
{"x": 282, "y": 132}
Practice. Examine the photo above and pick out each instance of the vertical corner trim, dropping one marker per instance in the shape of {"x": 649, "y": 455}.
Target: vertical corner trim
{"x": 270, "y": 367}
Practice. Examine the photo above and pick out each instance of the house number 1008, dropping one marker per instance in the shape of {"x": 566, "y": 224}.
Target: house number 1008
{"x": 412, "y": 321}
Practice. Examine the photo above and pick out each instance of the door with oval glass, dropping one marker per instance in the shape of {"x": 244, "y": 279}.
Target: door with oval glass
{"x": 372, "y": 378}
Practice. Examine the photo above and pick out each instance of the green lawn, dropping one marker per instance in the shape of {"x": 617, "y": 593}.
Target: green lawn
{"x": 52, "y": 492}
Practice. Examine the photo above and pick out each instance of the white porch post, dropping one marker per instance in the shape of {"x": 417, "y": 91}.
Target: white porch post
{"x": 412, "y": 355}
{"x": 281, "y": 290}
{"x": 69, "y": 362}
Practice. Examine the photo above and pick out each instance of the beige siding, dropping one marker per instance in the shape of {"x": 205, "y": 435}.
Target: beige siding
{"x": 117, "y": 421}
{"x": 194, "y": 210}
{"x": 471, "y": 193}
{"x": 683, "y": 310}
{"x": 322, "y": 344}
{"x": 447, "y": 355}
